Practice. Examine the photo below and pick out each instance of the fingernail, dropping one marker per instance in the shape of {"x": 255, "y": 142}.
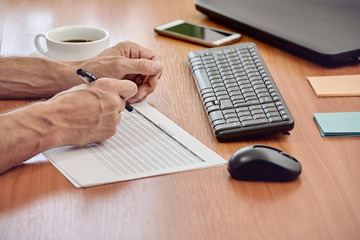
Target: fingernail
{"x": 156, "y": 66}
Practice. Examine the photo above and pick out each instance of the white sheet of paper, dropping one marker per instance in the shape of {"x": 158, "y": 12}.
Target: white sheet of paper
{"x": 38, "y": 158}
{"x": 146, "y": 144}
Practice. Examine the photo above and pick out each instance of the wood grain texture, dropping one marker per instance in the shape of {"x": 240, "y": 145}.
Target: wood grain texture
{"x": 37, "y": 202}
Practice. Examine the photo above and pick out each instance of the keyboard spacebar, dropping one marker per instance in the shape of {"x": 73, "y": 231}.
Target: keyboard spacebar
{"x": 202, "y": 79}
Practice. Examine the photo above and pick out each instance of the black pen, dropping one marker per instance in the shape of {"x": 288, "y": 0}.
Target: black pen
{"x": 90, "y": 78}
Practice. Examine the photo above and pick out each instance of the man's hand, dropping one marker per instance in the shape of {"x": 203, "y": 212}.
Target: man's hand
{"x": 130, "y": 61}
{"x": 90, "y": 114}
{"x": 29, "y": 77}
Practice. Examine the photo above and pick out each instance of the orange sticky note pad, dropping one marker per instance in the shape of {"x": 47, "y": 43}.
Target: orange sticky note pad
{"x": 329, "y": 86}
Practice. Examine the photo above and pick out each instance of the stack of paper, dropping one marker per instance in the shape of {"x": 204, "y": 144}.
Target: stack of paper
{"x": 330, "y": 86}
{"x": 343, "y": 124}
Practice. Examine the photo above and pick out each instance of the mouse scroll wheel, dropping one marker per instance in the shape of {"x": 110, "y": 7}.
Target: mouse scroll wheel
{"x": 288, "y": 155}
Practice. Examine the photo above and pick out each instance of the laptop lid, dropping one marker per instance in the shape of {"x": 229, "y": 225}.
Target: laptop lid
{"x": 326, "y": 32}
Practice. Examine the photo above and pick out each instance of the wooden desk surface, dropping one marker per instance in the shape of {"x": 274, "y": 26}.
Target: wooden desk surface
{"x": 38, "y": 202}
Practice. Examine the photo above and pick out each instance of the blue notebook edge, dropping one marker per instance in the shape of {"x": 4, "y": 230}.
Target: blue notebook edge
{"x": 328, "y": 124}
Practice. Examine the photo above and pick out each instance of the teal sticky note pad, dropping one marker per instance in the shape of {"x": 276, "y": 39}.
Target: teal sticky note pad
{"x": 343, "y": 124}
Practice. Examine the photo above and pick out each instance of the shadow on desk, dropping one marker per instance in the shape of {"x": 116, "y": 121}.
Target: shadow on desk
{"x": 266, "y": 137}
{"x": 259, "y": 191}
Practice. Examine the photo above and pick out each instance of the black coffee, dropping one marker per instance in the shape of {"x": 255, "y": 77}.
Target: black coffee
{"x": 77, "y": 40}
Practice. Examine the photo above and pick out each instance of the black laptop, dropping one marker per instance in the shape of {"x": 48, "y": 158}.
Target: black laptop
{"x": 326, "y": 32}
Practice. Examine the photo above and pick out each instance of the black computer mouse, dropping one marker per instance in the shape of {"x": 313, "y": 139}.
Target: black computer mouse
{"x": 263, "y": 163}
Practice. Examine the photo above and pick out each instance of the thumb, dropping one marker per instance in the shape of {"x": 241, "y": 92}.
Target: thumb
{"x": 142, "y": 66}
{"x": 126, "y": 88}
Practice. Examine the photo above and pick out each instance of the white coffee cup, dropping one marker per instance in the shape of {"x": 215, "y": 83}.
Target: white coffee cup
{"x": 73, "y": 42}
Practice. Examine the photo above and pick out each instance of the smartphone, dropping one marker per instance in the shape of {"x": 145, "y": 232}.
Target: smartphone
{"x": 200, "y": 34}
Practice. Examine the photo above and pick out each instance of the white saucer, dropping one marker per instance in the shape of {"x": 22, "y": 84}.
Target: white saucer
{"x": 37, "y": 54}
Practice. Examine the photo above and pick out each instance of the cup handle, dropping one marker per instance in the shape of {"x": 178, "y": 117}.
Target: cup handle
{"x": 37, "y": 43}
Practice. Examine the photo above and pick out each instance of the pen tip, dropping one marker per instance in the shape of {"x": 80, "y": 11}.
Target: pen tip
{"x": 129, "y": 107}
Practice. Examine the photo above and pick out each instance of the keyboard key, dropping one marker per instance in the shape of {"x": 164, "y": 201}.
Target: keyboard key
{"x": 228, "y": 111}
{"x": 249, "y": 123}
{"x": 257, "y": 112}
{"x": 246, "y": 118}
{"x": 202, "y": 79}
{"x": 232, "y": 120}
{"x": 212, "y": 108}
{"x": 225, "y": 104}
{"x": 221, "y": 93}
{"x": 216, "y": 115}
{"x": 209, "y": 99}
{"x": 207, "y": 95}
{"x": 274, "y": 119}
{"x": 227, "y": 126}
{"x": 223, "y": 97}
{"x": 256, "y": 107}
{"x": 218, "y": 122}
{"x": 197, "y": 67}
{"x": 270, "y": 110}
{"x": 265, "y": 100}
{"x": 272, "y": 114}
{"x": 232, "y": 115}
{"x": 259, "y": 116}
{"x": 285, "y": 117}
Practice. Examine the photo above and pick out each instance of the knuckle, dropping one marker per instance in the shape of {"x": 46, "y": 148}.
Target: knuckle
{"x": 142, "y": 64}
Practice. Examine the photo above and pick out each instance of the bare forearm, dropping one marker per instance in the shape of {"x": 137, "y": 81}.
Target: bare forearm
{"x": 24, "y": 133}
{"x": 34, "y": 77}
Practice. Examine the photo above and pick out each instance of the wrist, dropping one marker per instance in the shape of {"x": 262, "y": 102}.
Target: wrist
{"x": 41, "y": 121}
{"x": 28, "y": 77}
{"x": 64, "y": 74}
